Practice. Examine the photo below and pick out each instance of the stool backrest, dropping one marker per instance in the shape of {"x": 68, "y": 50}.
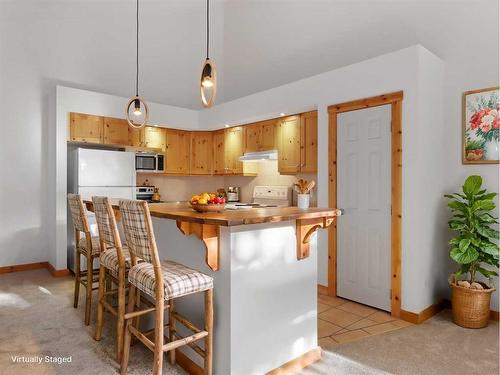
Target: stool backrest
{"x": 78, "y": 213}
{"x": 106, "y": 224}
{"x": 138, "y": 228}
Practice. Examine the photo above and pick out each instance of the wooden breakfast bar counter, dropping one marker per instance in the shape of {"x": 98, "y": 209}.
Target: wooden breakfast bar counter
{"x": 264, "y": 265}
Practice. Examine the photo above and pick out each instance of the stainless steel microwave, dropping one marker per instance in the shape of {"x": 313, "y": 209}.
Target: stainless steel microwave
{"x": 146, "y": 162}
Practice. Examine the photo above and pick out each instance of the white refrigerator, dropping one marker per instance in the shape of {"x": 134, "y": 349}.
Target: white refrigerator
{"x": 94, "y": 172}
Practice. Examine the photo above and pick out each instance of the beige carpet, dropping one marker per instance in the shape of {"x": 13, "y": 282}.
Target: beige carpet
{"x": 37, "y": 319}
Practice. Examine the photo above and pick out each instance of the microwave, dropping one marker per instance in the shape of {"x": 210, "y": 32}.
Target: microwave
{"x": 145, "y": 162}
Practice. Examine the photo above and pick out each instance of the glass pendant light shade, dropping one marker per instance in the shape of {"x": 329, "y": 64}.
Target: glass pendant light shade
{"x": 138, "y": 107}
{"x": 208, "y": 83}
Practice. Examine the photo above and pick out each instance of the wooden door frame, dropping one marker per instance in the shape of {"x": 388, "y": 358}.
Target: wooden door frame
{"x": 395, "y": 100}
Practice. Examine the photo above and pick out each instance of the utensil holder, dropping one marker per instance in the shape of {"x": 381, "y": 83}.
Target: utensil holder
{"x": 303, "y": 200}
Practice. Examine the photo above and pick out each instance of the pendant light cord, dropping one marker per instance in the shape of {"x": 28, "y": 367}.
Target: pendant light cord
{"x": 137, "y": 50}
{"x": 208, "y": 25}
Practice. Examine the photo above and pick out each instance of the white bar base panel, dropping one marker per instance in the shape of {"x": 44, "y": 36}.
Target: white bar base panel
{"x": 265, "y": 299}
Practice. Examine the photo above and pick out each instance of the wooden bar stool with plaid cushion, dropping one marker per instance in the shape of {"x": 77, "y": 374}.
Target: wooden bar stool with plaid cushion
{"x": 163, "y": 281}
{"x": 87, "y": 246}
{"x": 114, "y": 265}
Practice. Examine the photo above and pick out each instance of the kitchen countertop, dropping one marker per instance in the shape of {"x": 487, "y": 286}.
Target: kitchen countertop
{"x": 183, "y": 212}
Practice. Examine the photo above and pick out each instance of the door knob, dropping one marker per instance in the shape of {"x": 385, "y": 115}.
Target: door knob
{"x": 339, "y": 212}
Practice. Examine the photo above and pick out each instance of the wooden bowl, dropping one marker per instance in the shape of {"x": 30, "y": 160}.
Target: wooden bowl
{"x": 208, "y": 207}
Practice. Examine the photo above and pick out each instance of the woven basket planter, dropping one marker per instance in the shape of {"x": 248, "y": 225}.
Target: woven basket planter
{"x": 470, "y": 307}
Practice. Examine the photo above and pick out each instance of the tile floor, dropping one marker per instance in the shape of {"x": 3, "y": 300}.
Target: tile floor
{"x": 341, "y": 321}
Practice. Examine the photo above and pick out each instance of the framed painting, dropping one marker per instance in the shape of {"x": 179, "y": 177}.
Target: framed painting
{"x": 481, "y": 133}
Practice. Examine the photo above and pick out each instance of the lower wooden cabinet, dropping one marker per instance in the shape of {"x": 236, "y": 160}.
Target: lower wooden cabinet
{"x": 85, "y": 128}
{"x": 200, "y": 161}
{"x": 177, "y": 151}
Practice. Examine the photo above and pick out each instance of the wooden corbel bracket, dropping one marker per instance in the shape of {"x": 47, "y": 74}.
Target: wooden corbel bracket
{"x": 209, "y": 234}
{"x": 305, "y": 229}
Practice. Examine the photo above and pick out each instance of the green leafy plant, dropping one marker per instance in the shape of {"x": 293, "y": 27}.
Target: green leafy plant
{"x": 474, "y": 247}
{"x": 474, "y": 145}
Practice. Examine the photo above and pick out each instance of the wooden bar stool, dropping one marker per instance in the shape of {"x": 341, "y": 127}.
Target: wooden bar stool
{"x": 89, "y": 247}
{"x": 114, "y": 265}
{"x": 163, "y": 281}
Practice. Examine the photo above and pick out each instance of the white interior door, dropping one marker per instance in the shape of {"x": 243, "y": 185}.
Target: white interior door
{"x": 364, "y": 192}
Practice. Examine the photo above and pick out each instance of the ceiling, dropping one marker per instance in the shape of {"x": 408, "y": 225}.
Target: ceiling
{"x": 257, "y": 44}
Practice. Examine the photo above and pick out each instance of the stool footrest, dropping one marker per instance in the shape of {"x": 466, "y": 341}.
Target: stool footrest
{"x": 186, "y": 323}
{"x": 193, "y": 346}
{"x": 184, "y": 341}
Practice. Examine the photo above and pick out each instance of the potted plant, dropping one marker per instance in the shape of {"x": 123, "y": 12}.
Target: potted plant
{"x": 474, "y": 250}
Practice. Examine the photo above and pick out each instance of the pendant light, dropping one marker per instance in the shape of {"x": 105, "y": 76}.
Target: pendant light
{"x": 140, "y": 107}
{"x": 208, "y": 81}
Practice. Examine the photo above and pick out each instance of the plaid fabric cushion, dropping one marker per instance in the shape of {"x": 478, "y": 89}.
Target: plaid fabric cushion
{"x": 96, "y": 247}
{"x": 134, "y": 225}
{"x": 109, "y": 259}
{"x": 179, "y": 280}
{"x": 78, "y": 213}
{"x": 103, "y": 220}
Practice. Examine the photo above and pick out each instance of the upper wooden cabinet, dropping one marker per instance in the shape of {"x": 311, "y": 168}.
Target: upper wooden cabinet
{"x": 155, "y": 137}
{"x": 177, "y": 151}
{"x": 219, "y": 161}
{"x": 135, "y": 137}
{"x": 201, "y": 153}
{"x": 260, "y": 136}
{"x": 309, "y": 142}
{"x": 233, "y": 149}
{"x": 115, "y": 131}
{"x": 86, "y": 128}
{"x": 289, "y": 145}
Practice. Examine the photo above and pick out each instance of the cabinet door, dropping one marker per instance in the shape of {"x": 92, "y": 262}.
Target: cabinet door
{"x": 267, "y": 136}
{"x": 135, "y": 137}
{"x": 201, "y": 153}
{"x": 115, "y": 131}
{"x": 177, "y": 152}
{"x": 154, "y": 137}
{"x": 289, "y": 145}
{"x": 309, "y": 142}
{"x": 233, "y": 149}
{"x": 252, "y": 137}
{"x": 219, "y": 161}
{"x": 85, "y": 128}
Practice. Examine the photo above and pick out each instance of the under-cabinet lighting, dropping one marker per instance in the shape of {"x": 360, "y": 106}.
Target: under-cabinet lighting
{"x": 282, "y": 114}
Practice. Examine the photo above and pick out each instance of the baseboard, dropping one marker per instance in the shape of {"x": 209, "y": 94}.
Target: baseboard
{"x": 187, "y": 364}
{"x": 417, "y": 318}
{"x": 323, "y": 290}
{"x": 23, "y": 267}
{"x": 298, "y": 363}
{"x": 57, "y": 273}
{"x": 35, "y": 266}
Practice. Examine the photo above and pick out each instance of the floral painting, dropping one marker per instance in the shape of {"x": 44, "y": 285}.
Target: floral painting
{"x": 481, "y": 143}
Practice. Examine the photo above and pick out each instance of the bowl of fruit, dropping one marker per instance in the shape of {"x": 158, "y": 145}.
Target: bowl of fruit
{"x": 207, "y": 202}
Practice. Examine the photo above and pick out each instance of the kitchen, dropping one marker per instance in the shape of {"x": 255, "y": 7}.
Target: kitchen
{"x": 245, "y": 187}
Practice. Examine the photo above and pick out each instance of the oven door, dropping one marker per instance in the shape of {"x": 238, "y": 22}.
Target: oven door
{"x": 145, "y": 162}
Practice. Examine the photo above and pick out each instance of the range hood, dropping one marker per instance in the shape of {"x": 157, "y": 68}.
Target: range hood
{"x": 260, "y": 155}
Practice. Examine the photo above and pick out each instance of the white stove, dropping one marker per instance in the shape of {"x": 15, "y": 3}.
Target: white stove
{"x": 265, "y": 196}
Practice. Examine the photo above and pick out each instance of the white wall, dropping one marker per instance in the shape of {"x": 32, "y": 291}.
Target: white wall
{"x": 74, "y": 100}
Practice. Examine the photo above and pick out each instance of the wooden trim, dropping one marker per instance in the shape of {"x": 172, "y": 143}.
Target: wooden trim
{"x": 23, "y": 267}
{"x": 305, "y": 229}
{"x": 395, "y": 100}
{"x": 323, "y": 290}
{"x": 429, "y": 312}
{"x": 373, "y": 101}
{"x": 494, "y": 315}
{"x": 464, "y": 159}
{"x": 35, "y": 266}
{"x": 58, "y": 273}
{"x": 298, "y": 363}
{"x": 188, "y": 364}
{"x": 209, "y": 234}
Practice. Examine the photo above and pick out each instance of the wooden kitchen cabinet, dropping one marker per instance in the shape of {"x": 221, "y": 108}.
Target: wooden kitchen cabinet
{"x": 155, "y": 137}
{"x": 115, "y": 131}
{"x": 233, "y": 149}
{"x": 289, "y": 145}
{"x": 177, "y": 151}
{"x": 200, "y": 162}
{"x": 219, "y": 161}
{"x": 86, "y": 128}
{"x": 309, "y": 142}
{"x": 135, "y": 137}
{"x": 260, "y": 136}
